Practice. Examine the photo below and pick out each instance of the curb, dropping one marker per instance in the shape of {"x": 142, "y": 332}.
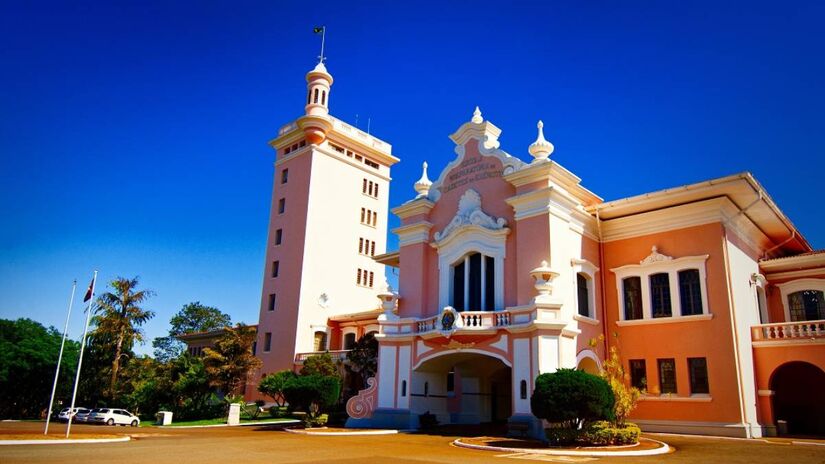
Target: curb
{"x": 331, "y": 434}
{"x": 175, "y": 427}
{"x": 65, "y": 441}
{"x": 661, "y": 450}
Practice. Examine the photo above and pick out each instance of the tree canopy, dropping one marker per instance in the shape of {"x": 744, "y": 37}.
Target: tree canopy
{"x": 231, "y": 359}
{"x": 28, "y": 357}
{"x": 192, "y": 317}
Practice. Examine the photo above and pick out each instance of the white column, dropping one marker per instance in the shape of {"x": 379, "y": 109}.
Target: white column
{"x": 386, "y": 376}
{"x": 521, "y": 371}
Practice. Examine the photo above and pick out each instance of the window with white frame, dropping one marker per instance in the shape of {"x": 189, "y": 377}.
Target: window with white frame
{"x": 803, "y": 299}
{"x": 473, "y": 276}
{"x": 662, "y": 287}
{"x": 585, "y": 294}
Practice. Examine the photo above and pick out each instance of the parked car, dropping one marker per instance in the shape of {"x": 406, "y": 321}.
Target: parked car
{"x": 110, "y": 416}
{"x": 83, "y": 416}
{"x": 64, "y": 414}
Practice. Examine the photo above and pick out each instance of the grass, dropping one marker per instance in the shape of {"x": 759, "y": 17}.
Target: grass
{"x": 219, "y": 421}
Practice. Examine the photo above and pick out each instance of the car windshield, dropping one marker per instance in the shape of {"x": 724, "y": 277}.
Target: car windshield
{"x": 104, "y": 411}
{"x": 82, "y": 411}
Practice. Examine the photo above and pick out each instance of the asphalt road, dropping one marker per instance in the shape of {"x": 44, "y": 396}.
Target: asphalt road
{"x": 273, "y": 445}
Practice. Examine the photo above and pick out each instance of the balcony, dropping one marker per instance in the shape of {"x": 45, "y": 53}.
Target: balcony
{"x": 788, "y": 333}
{"x": 470, "y": 321}
{"x": 337, "y": 355}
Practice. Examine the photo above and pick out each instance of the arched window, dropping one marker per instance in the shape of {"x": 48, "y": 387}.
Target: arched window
{"x": 451, "y": 381}
{"x": 403, "y": 388}
{"x": 660, "y": 294}
{"x": 324, "y": 97}
{"x": 690, "y": 292}
{"x": 583, "y": 293}
{"x": 523, "y": 390}
{"x": 309, "y": 97}
{"x": 473, "y": 283}
{"x": 426, "y": 388}
{"x": 806, "y": 305}
{"x": 315, "y": 99}
{"x": 349, "y": 341}
{"x": 320, "y": 343}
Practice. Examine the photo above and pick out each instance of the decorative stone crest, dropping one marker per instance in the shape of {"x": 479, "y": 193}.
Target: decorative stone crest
{"x": 449, "y": 321}
{"x": 470, "y": 213}
{"x": 655, "y": 257}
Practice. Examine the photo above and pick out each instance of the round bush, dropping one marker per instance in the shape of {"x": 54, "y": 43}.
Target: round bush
{"x": 571, "y": 398}
{"x": 603, "y": 433}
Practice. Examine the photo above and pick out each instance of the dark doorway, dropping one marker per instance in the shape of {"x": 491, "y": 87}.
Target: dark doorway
{"x": 798, "y": 388}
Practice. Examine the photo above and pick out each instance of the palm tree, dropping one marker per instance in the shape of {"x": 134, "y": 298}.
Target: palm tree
{"x": 118, "y": 318}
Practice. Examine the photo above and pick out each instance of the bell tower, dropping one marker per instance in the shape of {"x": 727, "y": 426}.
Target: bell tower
{"x": 316, "y": 121}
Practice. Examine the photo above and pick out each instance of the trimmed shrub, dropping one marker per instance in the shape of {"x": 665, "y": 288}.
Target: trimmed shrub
{"x": 603, "y": 433}
{"x": 571, "y": 398}
{"x": 311, "y": 394}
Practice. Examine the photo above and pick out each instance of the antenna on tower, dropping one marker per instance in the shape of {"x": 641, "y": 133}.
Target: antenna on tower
{"x": 356, "y": 120}
{"x": 323, "y": 31}
{"x": 369, "y": 120}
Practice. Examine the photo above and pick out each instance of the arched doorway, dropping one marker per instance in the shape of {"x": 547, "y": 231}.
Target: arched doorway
{"x": 587, "y": 361}
{"x": 462, "y": 388}
{"x": 797, "y": 399}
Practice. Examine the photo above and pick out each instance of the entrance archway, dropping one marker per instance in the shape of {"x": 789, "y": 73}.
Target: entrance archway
{"x": 797, "y": 399}
{"x": 462, "y": 388}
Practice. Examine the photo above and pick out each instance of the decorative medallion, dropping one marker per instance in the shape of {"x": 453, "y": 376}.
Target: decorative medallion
{"x": 470, "y": 213}
{"x": 449, "y": 321}
{"x": 456, "y": 345}
{"x": 655, "y": 257}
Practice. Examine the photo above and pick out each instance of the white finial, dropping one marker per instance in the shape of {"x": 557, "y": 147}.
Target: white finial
{"x": 541, "y": 148}
{"x": 477, "y": 116}
{"x": 422, "y": 186}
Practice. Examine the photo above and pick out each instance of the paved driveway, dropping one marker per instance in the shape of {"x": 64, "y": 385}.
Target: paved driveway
{"x": 272, "y": 445}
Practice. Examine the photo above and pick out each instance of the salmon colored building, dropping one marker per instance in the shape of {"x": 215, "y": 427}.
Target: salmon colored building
{"x": 508, "y": 267}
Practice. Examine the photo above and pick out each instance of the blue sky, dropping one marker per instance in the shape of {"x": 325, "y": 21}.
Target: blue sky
{"x": 133, "y": 134}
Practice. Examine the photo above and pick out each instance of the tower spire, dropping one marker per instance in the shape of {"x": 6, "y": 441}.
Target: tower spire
{"x": 323, "y": 31}
{"x": 541, "y": 148}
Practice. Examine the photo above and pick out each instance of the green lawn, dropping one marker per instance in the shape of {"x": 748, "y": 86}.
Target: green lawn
{"x": 218, "y": 421}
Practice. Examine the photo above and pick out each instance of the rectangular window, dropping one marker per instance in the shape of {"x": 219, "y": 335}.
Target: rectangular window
{"x": 267, "y": 341}
{"x": 271, "y": 306}
{"x": 372, "y": 248}
{"x": 358, "y": 280}
{"x": 667, "y": 375}
{"x": 284, "y": 176}
{"x": 698, "y": 370}
{"x": 360, "y": 245}
{"x": 372, "y": 275}
{"x": 374, "y": 219}
{"x": 281, "y": 205}
{"x": 279, "y": 235}
{"x": 364, "y": 187}
{"x": 458, "y": 286}
{"x": 638, "y": 374}
{"x": 375, "y": 194}
{"x": 475, "y": 283}
{"x": 660, "y": 295}
{"x": 363, "y": 212}
{"x": 275, "y": 268}
{"x": 690, "y": 293}
{"x": 489, "y": 280}
{"x": 632, "y": 298}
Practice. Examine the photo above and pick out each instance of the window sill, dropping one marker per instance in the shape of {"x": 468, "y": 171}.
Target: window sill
{"x": 666, "y": 320}
{"x": 671, "y": 397}
{"x": 586, "y": 320}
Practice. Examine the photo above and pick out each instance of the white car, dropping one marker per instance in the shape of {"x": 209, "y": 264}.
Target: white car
{"x": 111, "y": 416}
{"x": 64, "y": 414}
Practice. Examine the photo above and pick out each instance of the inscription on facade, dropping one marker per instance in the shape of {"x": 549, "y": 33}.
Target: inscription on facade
{"x": 471, "y": 170}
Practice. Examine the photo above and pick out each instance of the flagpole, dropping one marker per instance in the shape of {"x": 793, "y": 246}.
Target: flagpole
{"x": 323, "y": 36}
{"x": 60, "y": 357}
{"x": 80, "y": 358}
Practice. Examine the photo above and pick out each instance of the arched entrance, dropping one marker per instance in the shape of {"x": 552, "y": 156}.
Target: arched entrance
{"x": 797, "y": 399}
{"x": 462, "y": 388}
{"x": 587, "y": 361}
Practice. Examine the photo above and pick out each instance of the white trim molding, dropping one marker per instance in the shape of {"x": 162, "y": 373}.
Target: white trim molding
{"x": 658, "y": 263}
{"x": 787, "y": 288}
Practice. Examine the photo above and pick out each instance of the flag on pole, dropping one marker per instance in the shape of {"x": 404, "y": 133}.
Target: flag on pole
{"x": 318, "y": 29}
{"x": 89, "y": 291}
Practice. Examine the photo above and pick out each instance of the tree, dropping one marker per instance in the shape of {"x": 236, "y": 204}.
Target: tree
{"x": 118, "y": 318}
{"x": 231, "y": 360}
{"x": 28, "y": 357}
{"x": 321, "y": 364}
{"x": 571, "y": 398}
{"x": 273, "y": 386}
{"x": 192, "y": 317}
{"x": 626, "y": 395}
{"x": 312, "y": 393}
{"x": 363, "y": 357}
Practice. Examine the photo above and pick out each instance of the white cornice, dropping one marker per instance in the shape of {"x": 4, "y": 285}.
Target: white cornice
{"x": 815, "y": 272}
{"x": 413, "y": 233}
{"x": 324, "y": 149}
{"x": 791, "y": 263}
{"x": 553, "y": 173}
{"x": 413, "y": 207}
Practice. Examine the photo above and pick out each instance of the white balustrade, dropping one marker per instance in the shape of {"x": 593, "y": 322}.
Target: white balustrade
{"x": 789, "y": 330}
{"x": 337, "y": 355}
